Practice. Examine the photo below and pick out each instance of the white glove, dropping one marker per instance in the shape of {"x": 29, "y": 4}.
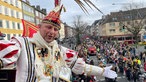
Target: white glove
{"x": 109, "y": 73}
{"x": 78, "y": 68}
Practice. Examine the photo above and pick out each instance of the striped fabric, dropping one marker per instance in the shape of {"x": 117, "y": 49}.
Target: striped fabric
{"x": 8, "y": 50}
{"x": 19, "y": 51}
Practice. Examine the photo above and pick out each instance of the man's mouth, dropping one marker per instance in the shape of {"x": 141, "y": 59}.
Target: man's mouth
{"x": 50, "y": 37}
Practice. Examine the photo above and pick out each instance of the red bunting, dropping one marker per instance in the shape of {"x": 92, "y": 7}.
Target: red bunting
{"x": 28, "y": 28}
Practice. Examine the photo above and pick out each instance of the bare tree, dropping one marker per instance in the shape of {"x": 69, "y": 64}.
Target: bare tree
{"x": 135, "y": 27}
{"x": 80, "y": 28}
{"x": 135, "y": 23}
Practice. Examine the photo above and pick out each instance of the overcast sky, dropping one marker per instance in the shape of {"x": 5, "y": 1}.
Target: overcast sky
{"x": 72, "y": 9}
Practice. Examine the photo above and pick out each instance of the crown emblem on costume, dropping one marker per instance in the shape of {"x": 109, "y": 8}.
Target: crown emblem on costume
{"x": 54, "y": 17}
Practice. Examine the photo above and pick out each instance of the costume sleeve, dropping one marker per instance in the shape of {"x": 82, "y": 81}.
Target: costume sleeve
{"x": 81, "y": 67}
{"x": 78, "y": 65}
{"x": 9, "y": 52}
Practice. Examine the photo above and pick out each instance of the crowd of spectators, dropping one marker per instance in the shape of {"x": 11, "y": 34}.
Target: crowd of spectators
{"x": 123, "y": 57}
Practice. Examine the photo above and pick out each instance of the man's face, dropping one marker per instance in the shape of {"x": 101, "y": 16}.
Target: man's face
{"x": 48, "y": 32}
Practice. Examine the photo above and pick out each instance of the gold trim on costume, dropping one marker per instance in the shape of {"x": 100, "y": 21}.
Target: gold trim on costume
{"x": 64, "y": 79}
{"x": 85, "y": 69}
{"x": 52, "y": 24}
{"x": 90, "y": 70}
{"x": 102, "y": 71}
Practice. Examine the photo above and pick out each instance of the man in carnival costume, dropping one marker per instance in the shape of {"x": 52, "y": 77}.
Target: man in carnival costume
{"x": 41, "y": 59}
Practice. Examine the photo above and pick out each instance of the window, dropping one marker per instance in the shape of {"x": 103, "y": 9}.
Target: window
{"x": 114, "y": 19}
{"x": 5, "y": 0}
{"x": 16, "y": 3}
{"x": 128, "y": 22}
{"x": 13, "y": 24}
{"x": 37, "y": 13}
{"x": 42, "y": 16}
{"x": 128, "y": 38}
{"x": 26, "y": 17}
{"x": 1, "y": 23}
{"x": 14, "y": 34}
{"x": 31, "y": 19}
{"x": 31, "y": 10}
{"x": 112, "y": 24}
{"x": 120, "y": 29}
{"x": 0, "y": 9}
{"x": 129, "y": 17}
{"x": 112, "y": 30}
{"x": 7, "y": 24}
{"x": 18, "y": 25}
{"x": 8, "y": 36}
{"x": 120, "y": 38}
{"x": 37, "y": 21}
{"x": 17, "y": 14}
{"x": 11, "y": 2}
{"x": 120, "y": 24}
{"x": 12, "y": 13}
{"x": 6, "y": 11}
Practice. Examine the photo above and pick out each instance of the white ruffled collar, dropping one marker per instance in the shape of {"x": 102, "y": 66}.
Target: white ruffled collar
{"x": 40, "y": 42}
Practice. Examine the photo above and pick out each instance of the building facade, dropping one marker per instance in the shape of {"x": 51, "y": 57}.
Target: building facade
{"x": 10, "y": 18}
{"x": 115, "y": 25}
{"x": 39, "y": 14}
{"x": 13, "y": 11}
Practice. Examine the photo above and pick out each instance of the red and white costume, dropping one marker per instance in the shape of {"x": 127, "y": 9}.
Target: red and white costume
{"x": 30, "y": 67}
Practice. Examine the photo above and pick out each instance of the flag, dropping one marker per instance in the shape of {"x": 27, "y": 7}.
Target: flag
{"x": 28, "y": 28}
